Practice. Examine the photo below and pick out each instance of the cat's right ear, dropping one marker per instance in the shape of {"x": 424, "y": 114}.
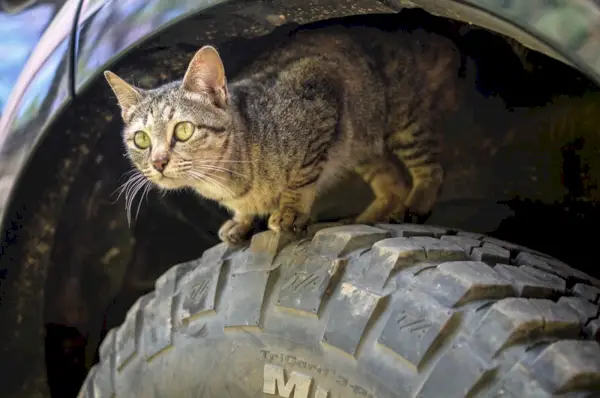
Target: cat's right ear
{"x": 127, "y": 95}
{"x": 206, "y": 74}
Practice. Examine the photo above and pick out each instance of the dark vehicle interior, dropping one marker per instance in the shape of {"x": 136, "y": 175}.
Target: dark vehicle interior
{"x": 526, "y": 166}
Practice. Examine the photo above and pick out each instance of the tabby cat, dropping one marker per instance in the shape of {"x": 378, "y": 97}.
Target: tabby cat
{"x": 323, "y": 103}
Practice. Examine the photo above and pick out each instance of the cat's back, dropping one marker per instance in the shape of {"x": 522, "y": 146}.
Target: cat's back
{"x": 322, "y": 48}
{"x": 393, "y": 60}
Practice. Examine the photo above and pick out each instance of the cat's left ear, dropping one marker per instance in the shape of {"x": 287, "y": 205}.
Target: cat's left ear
{"x": 206, "y": 74}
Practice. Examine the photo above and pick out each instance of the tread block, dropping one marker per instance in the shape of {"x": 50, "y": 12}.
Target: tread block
{"x": 440, "y": 249}
{"x": 337, "y": 241}
{"x": 471, "y": 235}
{"x": 166, "y": 285}
{"x": 416, "y": 327}
{"x": 509, "y": 321}
{"x": 250, "y": 293}
{"x": 386, "y": 256}
{"x": 304, "y": 289}
{"x": 591, "y": 293}
{"x": 558, "y": 320}
{"x": 554, "y": 266}
{"x": 87, "y": 387}
{"x": 584, "y": 308}
{"x": 107, "y": 347}
{"x": 572, "y": 271}
{"x": 517, "y": 384}
{"x": 490, "y": 253}
{"x": 216, "y": 253}
{"x": 351, "y": 309}
{"x": 157, "y": 331}
{"x": 459, "y": 282}
{"x": 501, "y": 243}
{"x": 198, "y": 290}
{"x": 467, "y": 244}
{"x": 102, "y": 376}
{"x": 549, "y": 279}
{"x": 517, "y": 320}
{"x": 568, "y": 366}
{"x": 127, "y": 336}
{"x": 458, "y": 371}
{"x": 528, "y": 285}
{"x": 312, "y": 229}
{"x": 592, "y": 329}
{"x": 263, "y": 249}
{"x": 560, "y": 266}
{"x": 508, "y": 245}
{"x": 540, "y": 263}
{"x": 409, "y": 230}
{"x": 103, "y": 382}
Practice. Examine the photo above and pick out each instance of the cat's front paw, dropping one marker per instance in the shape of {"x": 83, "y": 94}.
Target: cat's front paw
{"x": 287, "y": 220}
{"x": 404, "y": 215}
{"x": 234, "y": 232}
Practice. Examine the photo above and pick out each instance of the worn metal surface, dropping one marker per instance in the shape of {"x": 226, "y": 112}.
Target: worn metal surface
{"x": 109, "y": 32}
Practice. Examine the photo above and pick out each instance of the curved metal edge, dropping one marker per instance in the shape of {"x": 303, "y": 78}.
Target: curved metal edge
{"x": 108, "y": 31}
{"x": 482, "y": 17}
{"x": 58, "y": 31}
{"x": 40, "y": 94}
{"x": 569, "y": 29}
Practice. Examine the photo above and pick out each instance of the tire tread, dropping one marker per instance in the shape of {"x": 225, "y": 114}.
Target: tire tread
{"x": 469, "y": 314}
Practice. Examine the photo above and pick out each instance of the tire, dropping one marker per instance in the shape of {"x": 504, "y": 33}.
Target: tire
{"x": 359, "y": 311}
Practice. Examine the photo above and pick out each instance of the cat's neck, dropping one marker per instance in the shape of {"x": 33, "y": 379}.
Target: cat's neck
{"x": 233, "y": 171}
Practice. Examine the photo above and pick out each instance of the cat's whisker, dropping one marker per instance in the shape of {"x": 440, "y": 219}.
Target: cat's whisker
{"x": 147, "y": 188}
{"x": 131, "y": 178}
{"x": 206, "y": 178}
{"x": 203, "y": 177}
{"x": 132, "y": 193}
{"x": 223, "y": 161}
{"x": 219, "y": 168}
{"x": 124, "y": 188}
{"x": 129, "y": 173}
{"x": 131, "y": 188}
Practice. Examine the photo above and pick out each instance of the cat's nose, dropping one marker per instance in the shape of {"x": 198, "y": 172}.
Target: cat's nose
{"x": 160, "y": 162}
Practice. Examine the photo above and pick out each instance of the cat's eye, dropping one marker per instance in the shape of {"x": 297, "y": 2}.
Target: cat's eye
{"x": 184, "y": 130}
{"x": 141, "y": 140}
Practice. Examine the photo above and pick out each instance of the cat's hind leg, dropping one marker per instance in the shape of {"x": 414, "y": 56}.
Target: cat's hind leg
{"x": 419, "y": 151}
{"x": 389, "y": 186}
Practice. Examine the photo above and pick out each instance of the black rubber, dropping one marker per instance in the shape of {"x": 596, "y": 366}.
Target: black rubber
{"x": 359, "y": 311}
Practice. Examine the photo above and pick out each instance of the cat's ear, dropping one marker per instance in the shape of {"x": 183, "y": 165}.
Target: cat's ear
{"x": 127, "y": 95}
{"x": 206, "y": 74}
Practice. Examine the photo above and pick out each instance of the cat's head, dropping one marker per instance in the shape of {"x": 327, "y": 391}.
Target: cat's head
{"x": 176, "y": 132}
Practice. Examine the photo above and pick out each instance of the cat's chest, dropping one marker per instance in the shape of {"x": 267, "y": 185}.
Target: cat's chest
{"x": 259, "y": 200}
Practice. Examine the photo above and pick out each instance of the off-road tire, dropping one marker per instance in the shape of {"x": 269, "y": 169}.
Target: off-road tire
{"x": 359, "y": 311}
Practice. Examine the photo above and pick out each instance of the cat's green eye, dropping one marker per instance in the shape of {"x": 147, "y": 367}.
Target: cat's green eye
{"x": 184, "y": 130}
{"x": 141, "y": 140}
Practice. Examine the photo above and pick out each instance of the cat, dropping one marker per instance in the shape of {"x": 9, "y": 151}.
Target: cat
{"x": 323, "y": 103}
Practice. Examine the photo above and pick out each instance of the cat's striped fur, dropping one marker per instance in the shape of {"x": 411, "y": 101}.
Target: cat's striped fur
{"x": 324, "y": 103}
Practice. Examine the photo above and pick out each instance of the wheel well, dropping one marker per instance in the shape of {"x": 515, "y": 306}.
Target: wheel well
{"x": 75, "y": 250}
